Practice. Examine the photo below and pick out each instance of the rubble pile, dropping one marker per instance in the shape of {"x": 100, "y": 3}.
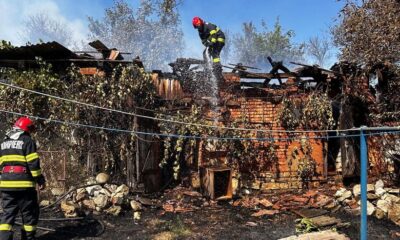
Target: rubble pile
{"x": 100, "y": 197}
{"x": 270, "y": 205}
{"x": 181, "y": 199}
{"x": 382, "y": 202}
{"x": 107, "y": 198}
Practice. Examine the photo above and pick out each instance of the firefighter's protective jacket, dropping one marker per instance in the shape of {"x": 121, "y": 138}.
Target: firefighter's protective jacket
{"x": 18, "y": 151}
{"x": 211, "y": 34}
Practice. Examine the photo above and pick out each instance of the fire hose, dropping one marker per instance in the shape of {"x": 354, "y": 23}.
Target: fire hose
{"x": 66, "y": 194}
{"x": 63, "y": 220}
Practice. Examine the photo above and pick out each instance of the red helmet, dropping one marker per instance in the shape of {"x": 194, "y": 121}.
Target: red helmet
{"x": 24, "y": 123}
{"x": 197, "y": 22}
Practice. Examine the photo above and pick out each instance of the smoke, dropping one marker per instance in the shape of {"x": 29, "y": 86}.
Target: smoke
{"x": 150, "y": 32}
{"x": 16, "y": 25}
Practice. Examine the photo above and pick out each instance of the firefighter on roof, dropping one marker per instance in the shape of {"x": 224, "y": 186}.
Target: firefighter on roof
{"x": 20, "y": 172}
{"x": 213, "y": 38}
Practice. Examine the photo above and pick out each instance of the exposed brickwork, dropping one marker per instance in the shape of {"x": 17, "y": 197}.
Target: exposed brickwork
{"x": 262, "y": 107}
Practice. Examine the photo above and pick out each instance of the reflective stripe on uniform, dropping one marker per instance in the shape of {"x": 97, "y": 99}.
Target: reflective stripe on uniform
{"x": 5, "y": 227}
{"x": 12, "y": 158}
{"x": 221, "y": 40}
{"x": 31, "y": 157}
{"x": 36, "y": 173}
{"x": 30, "y": 228}
{"x": 16, "y": 184}
{"x": 214, "y": 40}
{"x": 216, "y": 60}
{"x": 214, "y": 31}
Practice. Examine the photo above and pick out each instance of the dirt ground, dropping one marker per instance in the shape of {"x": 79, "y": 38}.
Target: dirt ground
{"x": 219, "y": 222}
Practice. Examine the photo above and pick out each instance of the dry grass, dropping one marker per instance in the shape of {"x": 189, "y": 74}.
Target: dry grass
{"x": 174, "y": 229}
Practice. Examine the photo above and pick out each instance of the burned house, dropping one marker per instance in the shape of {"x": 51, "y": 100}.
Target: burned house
{"x": 276, "y": 164}
{"x": 281, "y": 152}
{"x": 284, "y": 155}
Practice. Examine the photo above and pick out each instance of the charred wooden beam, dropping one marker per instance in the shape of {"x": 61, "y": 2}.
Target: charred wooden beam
{"x": 315, "y": 66}
{"x": 267, "y": 75}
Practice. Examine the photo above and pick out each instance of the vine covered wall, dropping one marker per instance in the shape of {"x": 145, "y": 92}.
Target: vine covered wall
{"x": 89, "y": 150}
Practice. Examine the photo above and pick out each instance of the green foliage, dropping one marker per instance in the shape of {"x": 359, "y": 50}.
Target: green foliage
{"x": 249, "y": 156}
{"x": 178, "y": 227}
{"x": 314, "y": 113}
{"x": 174, "y": 147}
{"x": 42, "y": 79}
{"x": 305, "y": 225}
{"x": 5, "y": 45}
{"x": 174, "y": 228}
{"x": 99, "y": 150}
{"x": 242, "y": 155}
{"x": 317, "y": 112}
{"x": 253, "y": 46}
{"x": 289, "y": 114}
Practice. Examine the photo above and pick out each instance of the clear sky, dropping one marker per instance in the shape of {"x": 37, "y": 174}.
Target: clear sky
{"x": 306, "y": 18}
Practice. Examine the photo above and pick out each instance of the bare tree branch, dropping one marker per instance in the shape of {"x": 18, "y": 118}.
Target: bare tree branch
{"x": 41, "y": 27}
{"x": 319, "y": 49}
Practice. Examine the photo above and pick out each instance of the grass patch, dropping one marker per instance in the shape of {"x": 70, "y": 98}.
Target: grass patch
{"x": 173, "y": 229}
{"x": 178, "y": 227}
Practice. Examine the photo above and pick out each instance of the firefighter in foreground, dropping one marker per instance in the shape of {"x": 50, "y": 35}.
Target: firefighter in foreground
{"x": 20, "y": 172}
{"x": 213, "y": 39}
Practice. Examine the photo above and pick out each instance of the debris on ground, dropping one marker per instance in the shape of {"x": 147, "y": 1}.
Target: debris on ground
{"x": 382, "y": 202}
{"x": 316, "y": 208}
{"x": 324, "y": 221}
{"x": 104, "y": 197}
{"x": 328, "y": 234}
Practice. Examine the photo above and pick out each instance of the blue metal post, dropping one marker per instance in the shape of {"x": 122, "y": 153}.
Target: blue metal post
{"x": 364, "y": 176}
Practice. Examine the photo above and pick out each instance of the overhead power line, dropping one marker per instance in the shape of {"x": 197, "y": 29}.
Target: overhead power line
{"x": 380, "y": 131}
{"x": 163, "y": 119}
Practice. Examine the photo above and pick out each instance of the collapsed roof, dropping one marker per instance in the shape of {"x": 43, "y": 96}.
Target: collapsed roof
{"x": 60, "y": 56}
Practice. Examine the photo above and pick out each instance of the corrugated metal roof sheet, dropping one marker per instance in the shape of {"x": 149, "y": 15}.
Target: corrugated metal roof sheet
{"x": 49, "y": 50}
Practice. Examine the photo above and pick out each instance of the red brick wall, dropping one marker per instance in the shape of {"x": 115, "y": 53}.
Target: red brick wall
{"x": 262, "y": 107}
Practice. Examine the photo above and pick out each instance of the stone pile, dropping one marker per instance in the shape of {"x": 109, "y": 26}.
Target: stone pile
{"x": 107, "y": 198}
{"x": 382, "y": 202}
{"x": 100, "y": 197}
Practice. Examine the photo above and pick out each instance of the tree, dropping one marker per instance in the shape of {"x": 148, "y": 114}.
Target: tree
{"x": 319, "y": 49}
{"x": 43, "y": 28}
{"x": 369, "y": 32}
{"x": 253, "y": 47}
{"x": 151, "y": 31}
{"x": 5, "y": 45}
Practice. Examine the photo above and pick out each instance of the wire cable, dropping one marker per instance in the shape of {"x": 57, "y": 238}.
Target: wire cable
{"x": 394, "y": 130}
{"x": 165, "y": 120}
